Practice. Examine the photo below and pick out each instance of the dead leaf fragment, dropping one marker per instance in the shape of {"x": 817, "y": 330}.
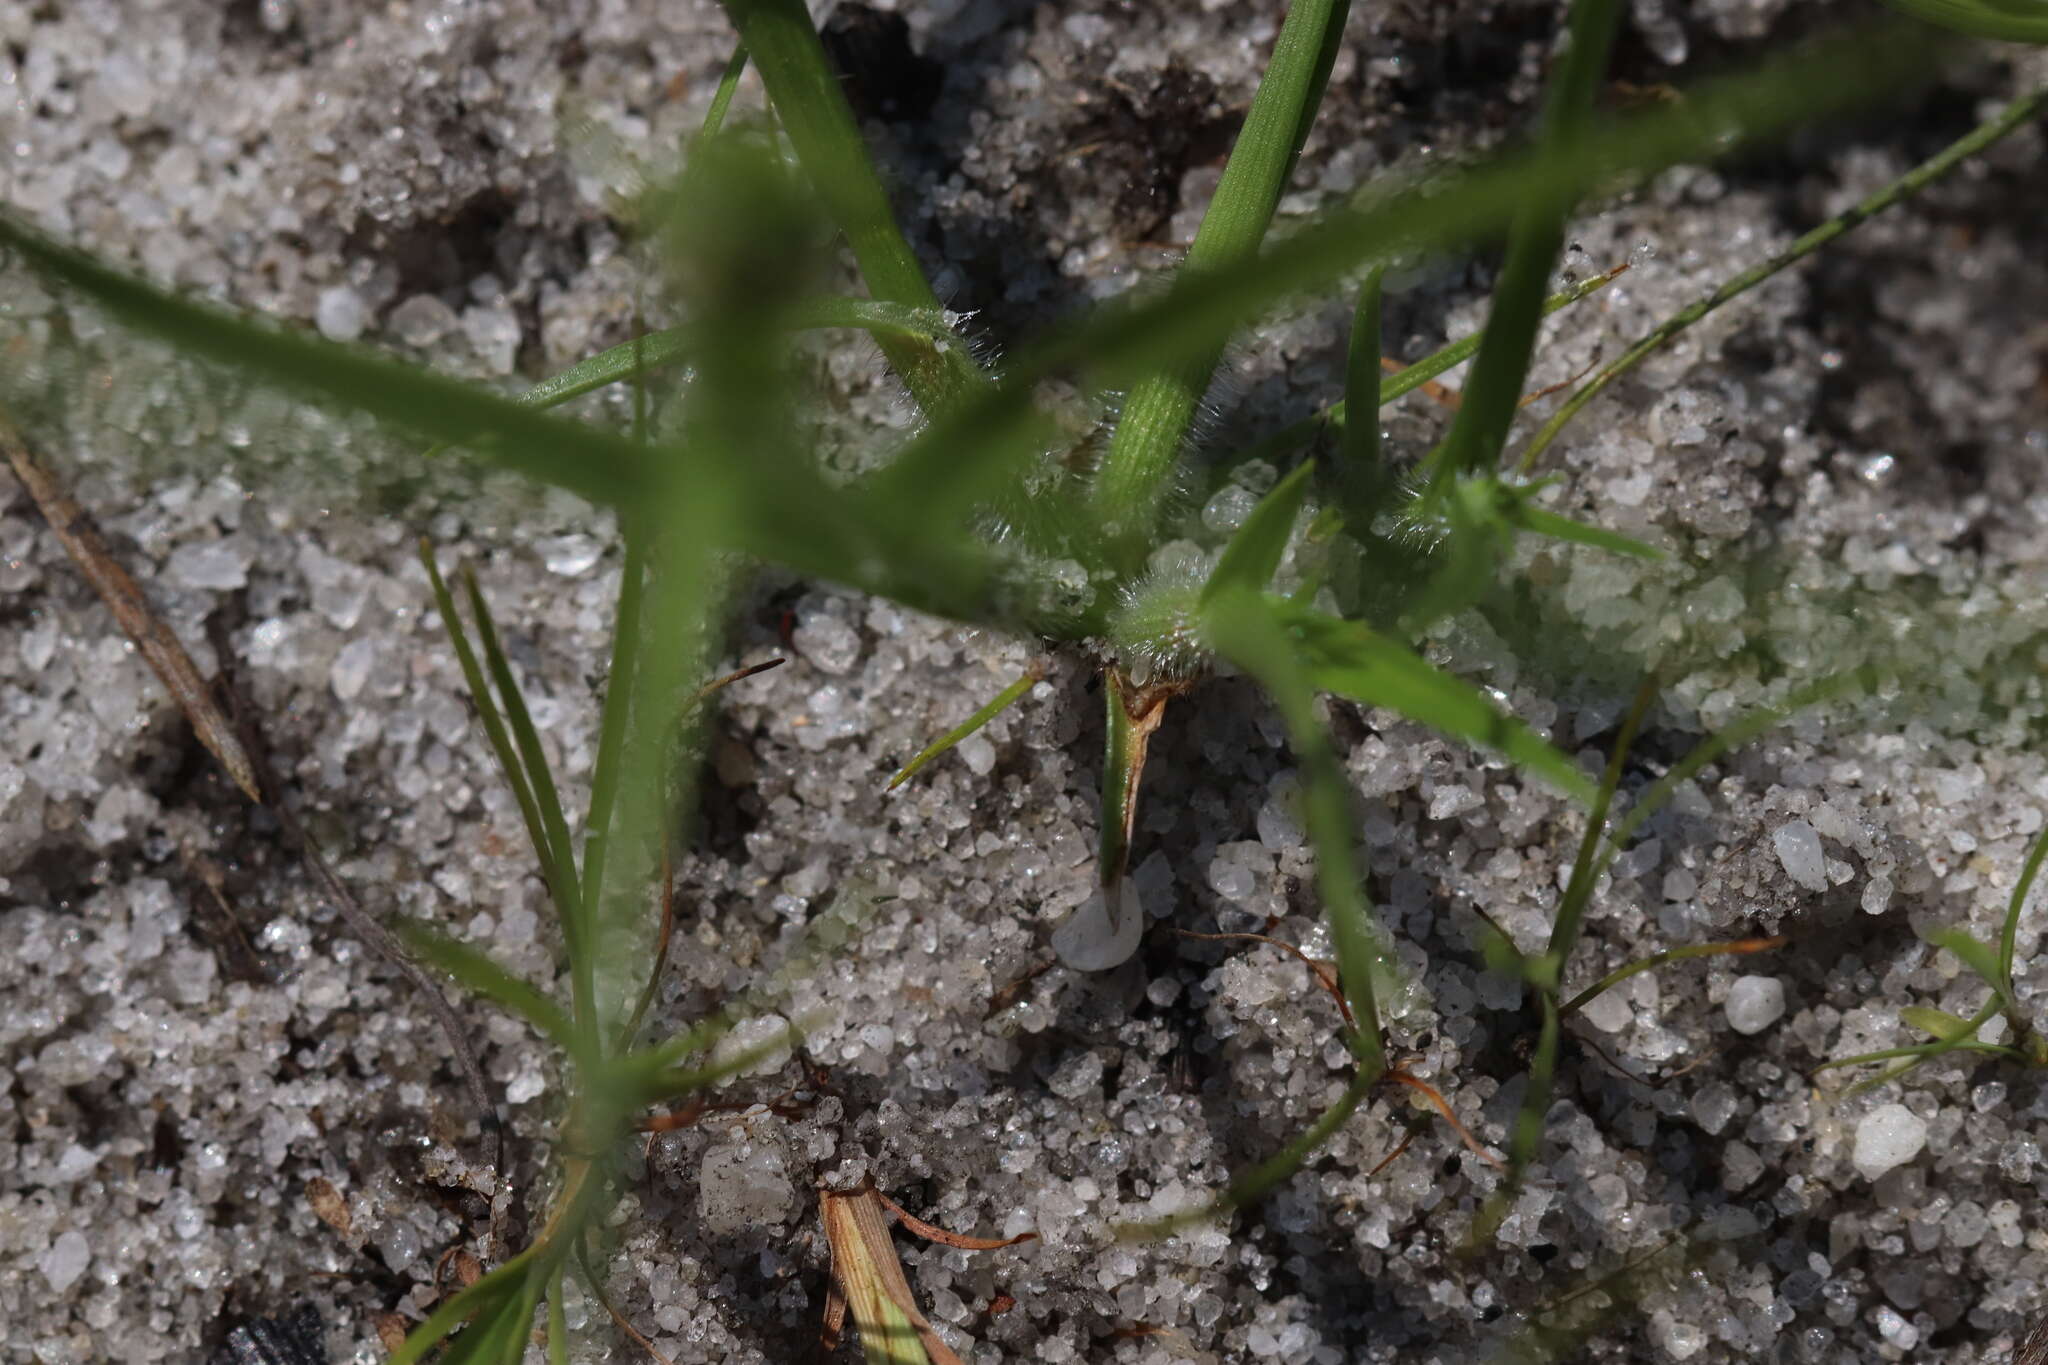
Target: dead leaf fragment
{"x": 330, "y": 1206}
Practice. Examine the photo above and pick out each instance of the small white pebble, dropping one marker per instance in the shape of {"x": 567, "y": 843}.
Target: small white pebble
{"x": 66, "y": 1260}
{"x": 1799, "y": 851}
{"x": 1755, "y": 1003}
{"x": 1093, "y": 940}
{"x": 1890, "y": 1135}
{"x": 340, "y": 314}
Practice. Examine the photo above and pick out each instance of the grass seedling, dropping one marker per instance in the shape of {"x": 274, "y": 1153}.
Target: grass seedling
{"x": 1951, "y": 1032}
{"x": 990, "y": 515}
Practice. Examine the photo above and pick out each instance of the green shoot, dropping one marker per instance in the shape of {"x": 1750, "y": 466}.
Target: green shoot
{"x": 1358, "y": 482}
{"x": 2008, "y": 21}
{"x": 1493, "y": 394}
{"x": 995, "y": 707}
{"x": 2014, "y": 116}
{"x": 1155, "y": 417}
{"x": 1254, "y": 553}
{"x": 804, "y": 89}
{"x": 1250, "y": 631}
{"x": 1735, "y": 947}
{"x": 1952, "y": 1033}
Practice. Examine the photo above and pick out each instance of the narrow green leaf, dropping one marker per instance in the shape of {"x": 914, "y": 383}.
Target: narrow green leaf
{"x": 1253, "y": 632}
{"x": 487, "y": 709}
{"x": 1546, "y": 972}
{"x": 558, "y": 1323}
{"x": 1940, "y": 1023}
{"x": 479, "y": 973}
{"x": 1654, "y": 960}
{"x": 2008, "y": 934}
{"x": 2014, "y": 116}
{"x": 1154, "y": 422}
{"x": 1493, "y": 393}
{"x": 805, "y": 91}
{"x": 987, "y": 713}
{"x": 592, "y": 464}
{"x": 1525, "y": 516}
{"x": 1253, "y": 555}
{"x": 1359, "y": 481}
{"x": 1976, "y": 954}
{"x": 721, "y": 101}
{"x": 557, "y": 853}
{"x": 2010, "y": 21}
{"x": 658, "y": 350}
{"x": 1354, "y": 661}
{"x": 1268, "y": 1175}
{"x": 1731, "y": 736}
{"x": 488, "y": 1296}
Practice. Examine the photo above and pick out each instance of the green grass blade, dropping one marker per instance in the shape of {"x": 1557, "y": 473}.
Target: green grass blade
{"x": 490, "y": 1295}
{"x": 558, "y": 1323}
{"x": 805, "y": 91}
{"x": 1274, "y": 448}
{"x": 2014, "y": 116}
{"x": 1526, "y": 516}
{"x": 2011, "y": 21}
{"x": 675, "y": 624}
{"x": 1655, "y": 960}
{"x": 1731, "y": 736}
{"x": 1493, "y": 394}
{"x": 993, "y": 708}
{"x": 721, "y": 101}
{"x": 1359, "y": 480}
{"x": 1961, "y": 1040}
{"x": 1587, "y": 867}
{"x": 1253, "y": 554}
{"x": 477, "y": 972}
{"x": 509, "y": 762}
{"x": 618, "y": 692}
{"x": 1156, "y": 415}
{"x": 1268, "y": 1175}
{"x": 1975, "y": 954}
{"x": 796, "y": 518}
{"x": 589, "y": 463}
{"x": 644, "y": 355}
{"x": 558, "y": 857}
{"x": 1133, "y": 337}
{"x": 1253, "y": 633}
{"x": 1547, "y": 971}
{"x": 1354, "y": 661}
{"x": 1939, "y": 1023}
{"x": 2008, "y": 934}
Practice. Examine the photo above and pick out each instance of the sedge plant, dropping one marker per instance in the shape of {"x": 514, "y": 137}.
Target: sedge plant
{"x": 991, "y": 515}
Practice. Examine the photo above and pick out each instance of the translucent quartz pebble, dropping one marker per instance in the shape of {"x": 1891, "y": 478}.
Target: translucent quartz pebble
{"x": 1094, "y": 940}
{"x": 1799, "y": 851}
{"x": 1755, "y": 1003}
{"x": 1888, "y": 1136}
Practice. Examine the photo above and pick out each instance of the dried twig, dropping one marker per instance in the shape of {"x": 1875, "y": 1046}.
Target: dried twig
{"x": 230, "y": 734}
{"x": 123, "y": 596}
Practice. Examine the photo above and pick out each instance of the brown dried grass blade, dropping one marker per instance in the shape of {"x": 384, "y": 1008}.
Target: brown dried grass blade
{"x": 1443, "y": 1107}
{"x": 869, "y": 1278}
{"x": 931, "y": 1232}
